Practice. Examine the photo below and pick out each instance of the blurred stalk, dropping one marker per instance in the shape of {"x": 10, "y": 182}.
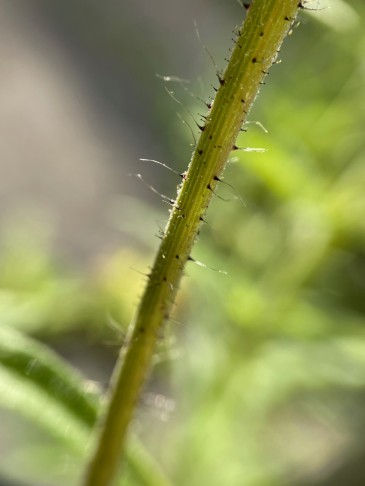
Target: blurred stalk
{"x": 255, "y": 50}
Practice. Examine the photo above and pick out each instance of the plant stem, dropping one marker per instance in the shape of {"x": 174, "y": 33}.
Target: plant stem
{"x": 256, "y": 49}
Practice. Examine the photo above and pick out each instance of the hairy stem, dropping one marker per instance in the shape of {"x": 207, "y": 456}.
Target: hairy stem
{"x": 256, "y": 49}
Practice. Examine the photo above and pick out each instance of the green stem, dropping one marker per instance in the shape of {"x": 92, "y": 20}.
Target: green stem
{"x": 256, "y": 48}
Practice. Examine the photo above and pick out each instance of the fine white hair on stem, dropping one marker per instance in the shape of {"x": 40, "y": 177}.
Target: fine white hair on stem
{"x": 203, "y": 265}
{"x": 172, "y": 78}
{"x": 206, "y": 50}
{"x": 251, "y": 149}
{"x": 155, "y": 191}
{"x": 259, "y": 124}
{"x": 162, "y": 164}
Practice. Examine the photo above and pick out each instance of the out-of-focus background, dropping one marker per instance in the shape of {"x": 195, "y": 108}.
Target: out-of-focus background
{"x": 260, "y": 377}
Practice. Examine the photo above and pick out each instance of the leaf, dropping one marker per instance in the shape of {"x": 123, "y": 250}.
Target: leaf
{"x": 36, "y": 383}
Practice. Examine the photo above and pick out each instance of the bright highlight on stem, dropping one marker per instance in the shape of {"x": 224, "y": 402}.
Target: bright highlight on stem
{"x": 256, "y": 49}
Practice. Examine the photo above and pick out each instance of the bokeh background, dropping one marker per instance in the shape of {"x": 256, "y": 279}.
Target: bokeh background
{"x": 259, "y": 378}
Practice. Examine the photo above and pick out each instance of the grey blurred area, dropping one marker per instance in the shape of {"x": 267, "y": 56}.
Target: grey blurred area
{"x": 80, "y": 103}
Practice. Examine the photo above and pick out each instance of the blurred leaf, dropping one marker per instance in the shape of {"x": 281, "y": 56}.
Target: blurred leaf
{"x": 37, "y": 384}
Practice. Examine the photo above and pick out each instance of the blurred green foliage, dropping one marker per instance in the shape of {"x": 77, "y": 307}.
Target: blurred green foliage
{"x": 266, "y": 378}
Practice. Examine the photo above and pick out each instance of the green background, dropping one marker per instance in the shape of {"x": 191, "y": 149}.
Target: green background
{"x": 259, "y": 378}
